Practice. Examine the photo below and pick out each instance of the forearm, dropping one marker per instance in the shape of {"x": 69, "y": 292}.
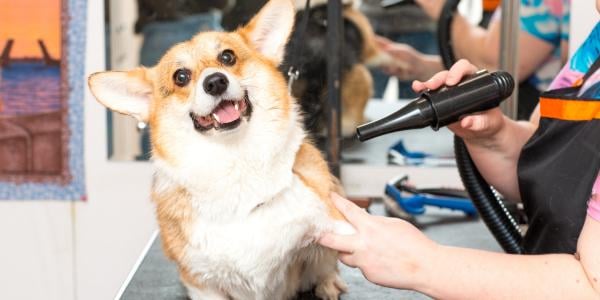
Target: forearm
{"x": 496, "y": 157}
{"x": 482, "y": 47}
{"x": 474, "y": 44}
{"x": 458, "y": 273}
{"x": 431, "y": 65}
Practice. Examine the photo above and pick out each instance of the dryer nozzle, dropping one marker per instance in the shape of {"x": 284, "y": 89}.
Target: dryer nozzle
{"x": 479, "y": 92}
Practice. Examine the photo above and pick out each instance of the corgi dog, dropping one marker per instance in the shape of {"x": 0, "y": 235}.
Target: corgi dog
{"x": 241, "y": 195}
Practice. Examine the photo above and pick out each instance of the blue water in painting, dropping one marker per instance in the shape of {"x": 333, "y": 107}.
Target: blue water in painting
{"x": 29, "y": 88}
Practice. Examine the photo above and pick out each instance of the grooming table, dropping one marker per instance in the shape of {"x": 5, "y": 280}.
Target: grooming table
{"x": 156, "y": 278}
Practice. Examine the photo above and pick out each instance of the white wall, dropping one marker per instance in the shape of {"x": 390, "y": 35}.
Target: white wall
{"x": 82, "y": 250}
{"x": 113, "y": 227}
{"x": 36, "y": 251}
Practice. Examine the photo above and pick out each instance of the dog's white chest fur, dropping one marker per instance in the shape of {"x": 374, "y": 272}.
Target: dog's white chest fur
{"x": 252, "y": 253}
{"x": 252, "y": 215}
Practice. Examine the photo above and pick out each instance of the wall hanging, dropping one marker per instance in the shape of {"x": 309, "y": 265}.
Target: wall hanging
{"x": 41, "y": 99}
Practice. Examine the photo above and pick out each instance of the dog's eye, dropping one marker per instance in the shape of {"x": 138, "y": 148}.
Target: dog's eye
{"x": 227, "y": 57}
{"x": 182, "y": 77}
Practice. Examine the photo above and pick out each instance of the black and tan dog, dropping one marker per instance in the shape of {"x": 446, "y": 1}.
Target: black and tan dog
{"x": 359, "y": 50}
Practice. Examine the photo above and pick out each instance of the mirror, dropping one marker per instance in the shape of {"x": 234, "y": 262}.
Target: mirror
{"x": 139, "y": 31}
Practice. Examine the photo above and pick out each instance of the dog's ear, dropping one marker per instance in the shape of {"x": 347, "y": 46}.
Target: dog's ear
{"x": 270, "y": 29}
{"x": 129, "y": 92}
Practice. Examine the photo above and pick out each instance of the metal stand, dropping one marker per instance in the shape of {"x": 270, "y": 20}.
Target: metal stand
{"x": 509, "y": 51}
{"x": 335, "y": 36}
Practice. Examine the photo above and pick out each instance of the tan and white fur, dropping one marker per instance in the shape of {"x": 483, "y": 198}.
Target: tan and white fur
{"x": 239, "y": 209}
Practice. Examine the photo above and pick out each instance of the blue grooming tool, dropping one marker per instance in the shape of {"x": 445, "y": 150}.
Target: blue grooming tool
{"x": 398, "y": 154}
{"x": 401, "y": 149}
{"x": 413, "y": 200}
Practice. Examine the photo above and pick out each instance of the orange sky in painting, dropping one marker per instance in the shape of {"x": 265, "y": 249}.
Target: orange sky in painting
{"x": 26, "y": 21}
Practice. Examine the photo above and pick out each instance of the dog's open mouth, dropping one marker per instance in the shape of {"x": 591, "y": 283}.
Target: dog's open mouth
{"x": 227, "y": 115}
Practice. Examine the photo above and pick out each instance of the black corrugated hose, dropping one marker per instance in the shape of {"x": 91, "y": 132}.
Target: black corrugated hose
{"x": 489, "y": 204}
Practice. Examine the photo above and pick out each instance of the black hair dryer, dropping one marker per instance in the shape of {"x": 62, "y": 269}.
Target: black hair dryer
{"x": 478, "y": 92}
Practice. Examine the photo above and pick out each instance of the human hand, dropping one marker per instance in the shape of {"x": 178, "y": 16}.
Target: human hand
{"x": 388, "y": 251}
{"x": 477, "y": 128}
{"x": 433, "y": 8}
{"x": 407, "y": 63}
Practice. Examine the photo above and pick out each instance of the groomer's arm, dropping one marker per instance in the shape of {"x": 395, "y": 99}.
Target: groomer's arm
{"x": 393, "y": 253}
{"x": 461, "y": 273}
{"x": 493, "y": 140}
{"x": 482, "y": 46}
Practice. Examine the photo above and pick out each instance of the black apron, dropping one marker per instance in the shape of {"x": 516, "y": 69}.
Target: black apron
{"x": 558, "y": 167}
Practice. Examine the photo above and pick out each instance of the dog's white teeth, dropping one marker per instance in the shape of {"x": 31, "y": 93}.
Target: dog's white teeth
{"x": 216, "y": 118}
{"x": 237, "y": 106}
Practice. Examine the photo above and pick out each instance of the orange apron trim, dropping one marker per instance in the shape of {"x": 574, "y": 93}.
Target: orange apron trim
{"x": 570, "y": 110}
{"x": 490, "y": 5}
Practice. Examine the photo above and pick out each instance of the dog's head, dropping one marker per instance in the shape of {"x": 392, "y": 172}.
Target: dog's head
{"x": 214, "y": 86}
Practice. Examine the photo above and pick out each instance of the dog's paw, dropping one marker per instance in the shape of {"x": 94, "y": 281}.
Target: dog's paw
{"x": 331, "y": 288}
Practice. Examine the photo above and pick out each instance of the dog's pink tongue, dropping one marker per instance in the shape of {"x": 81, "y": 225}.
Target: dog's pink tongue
{"x": 227, "y": 113}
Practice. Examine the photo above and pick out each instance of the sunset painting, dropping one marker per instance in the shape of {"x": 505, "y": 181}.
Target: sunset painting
{"x": 31, "y": 93}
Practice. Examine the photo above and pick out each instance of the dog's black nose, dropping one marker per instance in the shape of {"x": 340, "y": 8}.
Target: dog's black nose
{"x": 215, "y": 84}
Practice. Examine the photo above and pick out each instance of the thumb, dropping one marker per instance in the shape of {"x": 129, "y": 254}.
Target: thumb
{"x": 338, "y": 242}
